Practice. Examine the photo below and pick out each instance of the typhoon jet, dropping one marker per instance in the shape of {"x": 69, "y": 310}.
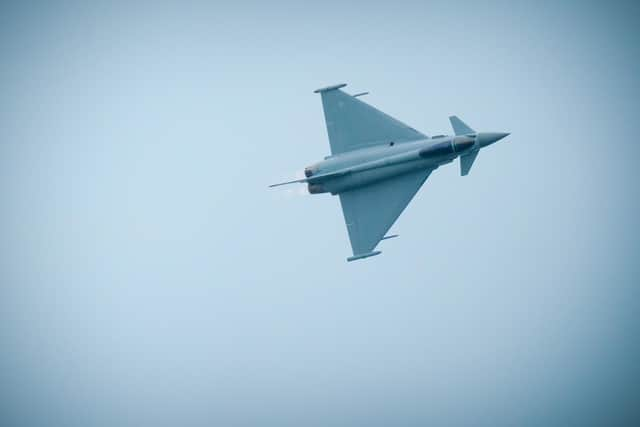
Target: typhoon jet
{"x": 377, "y": 164}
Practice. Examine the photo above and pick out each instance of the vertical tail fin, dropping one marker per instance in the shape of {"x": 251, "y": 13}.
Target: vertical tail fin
{"x": 460, "y": 127}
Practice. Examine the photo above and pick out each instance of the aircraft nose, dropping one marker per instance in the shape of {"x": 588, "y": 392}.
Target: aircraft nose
{"x": 488, "y": 138}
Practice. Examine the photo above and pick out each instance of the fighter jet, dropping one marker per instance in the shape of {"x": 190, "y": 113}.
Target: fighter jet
{"x": 377, "y": 164}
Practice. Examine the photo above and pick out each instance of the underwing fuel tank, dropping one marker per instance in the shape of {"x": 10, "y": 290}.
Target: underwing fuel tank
{"x": 453, "y": 146}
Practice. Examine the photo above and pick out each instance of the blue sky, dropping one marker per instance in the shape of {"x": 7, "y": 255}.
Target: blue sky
{"x": 150, "y": 277}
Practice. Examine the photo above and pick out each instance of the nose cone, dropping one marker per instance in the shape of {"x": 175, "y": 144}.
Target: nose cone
{"x": 488, "y": 138}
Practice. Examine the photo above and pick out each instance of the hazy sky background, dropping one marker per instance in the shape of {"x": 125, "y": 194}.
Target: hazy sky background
{"x": 149, "y": 277}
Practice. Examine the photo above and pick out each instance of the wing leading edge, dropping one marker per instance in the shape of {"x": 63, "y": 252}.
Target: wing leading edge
{"x": 352, "y": 123}
{"x": 370, "y": 211}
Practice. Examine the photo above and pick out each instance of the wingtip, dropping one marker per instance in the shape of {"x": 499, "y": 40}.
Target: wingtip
{"x": 363, "y": 256}
{"x": 329, "y": 88}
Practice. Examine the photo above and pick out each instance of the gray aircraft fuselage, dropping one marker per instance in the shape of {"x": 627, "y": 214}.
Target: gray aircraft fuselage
{"x": 377, "y": 164}
{"x": 365, "y": 166}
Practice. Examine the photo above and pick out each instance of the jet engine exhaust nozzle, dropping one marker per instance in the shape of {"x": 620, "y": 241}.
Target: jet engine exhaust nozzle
{"x": 316, "y": 188}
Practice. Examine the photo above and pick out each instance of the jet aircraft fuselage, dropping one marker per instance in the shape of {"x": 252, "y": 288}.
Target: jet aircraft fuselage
{"x": 336, "y": 174}
{"x": 377, "y": 164}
